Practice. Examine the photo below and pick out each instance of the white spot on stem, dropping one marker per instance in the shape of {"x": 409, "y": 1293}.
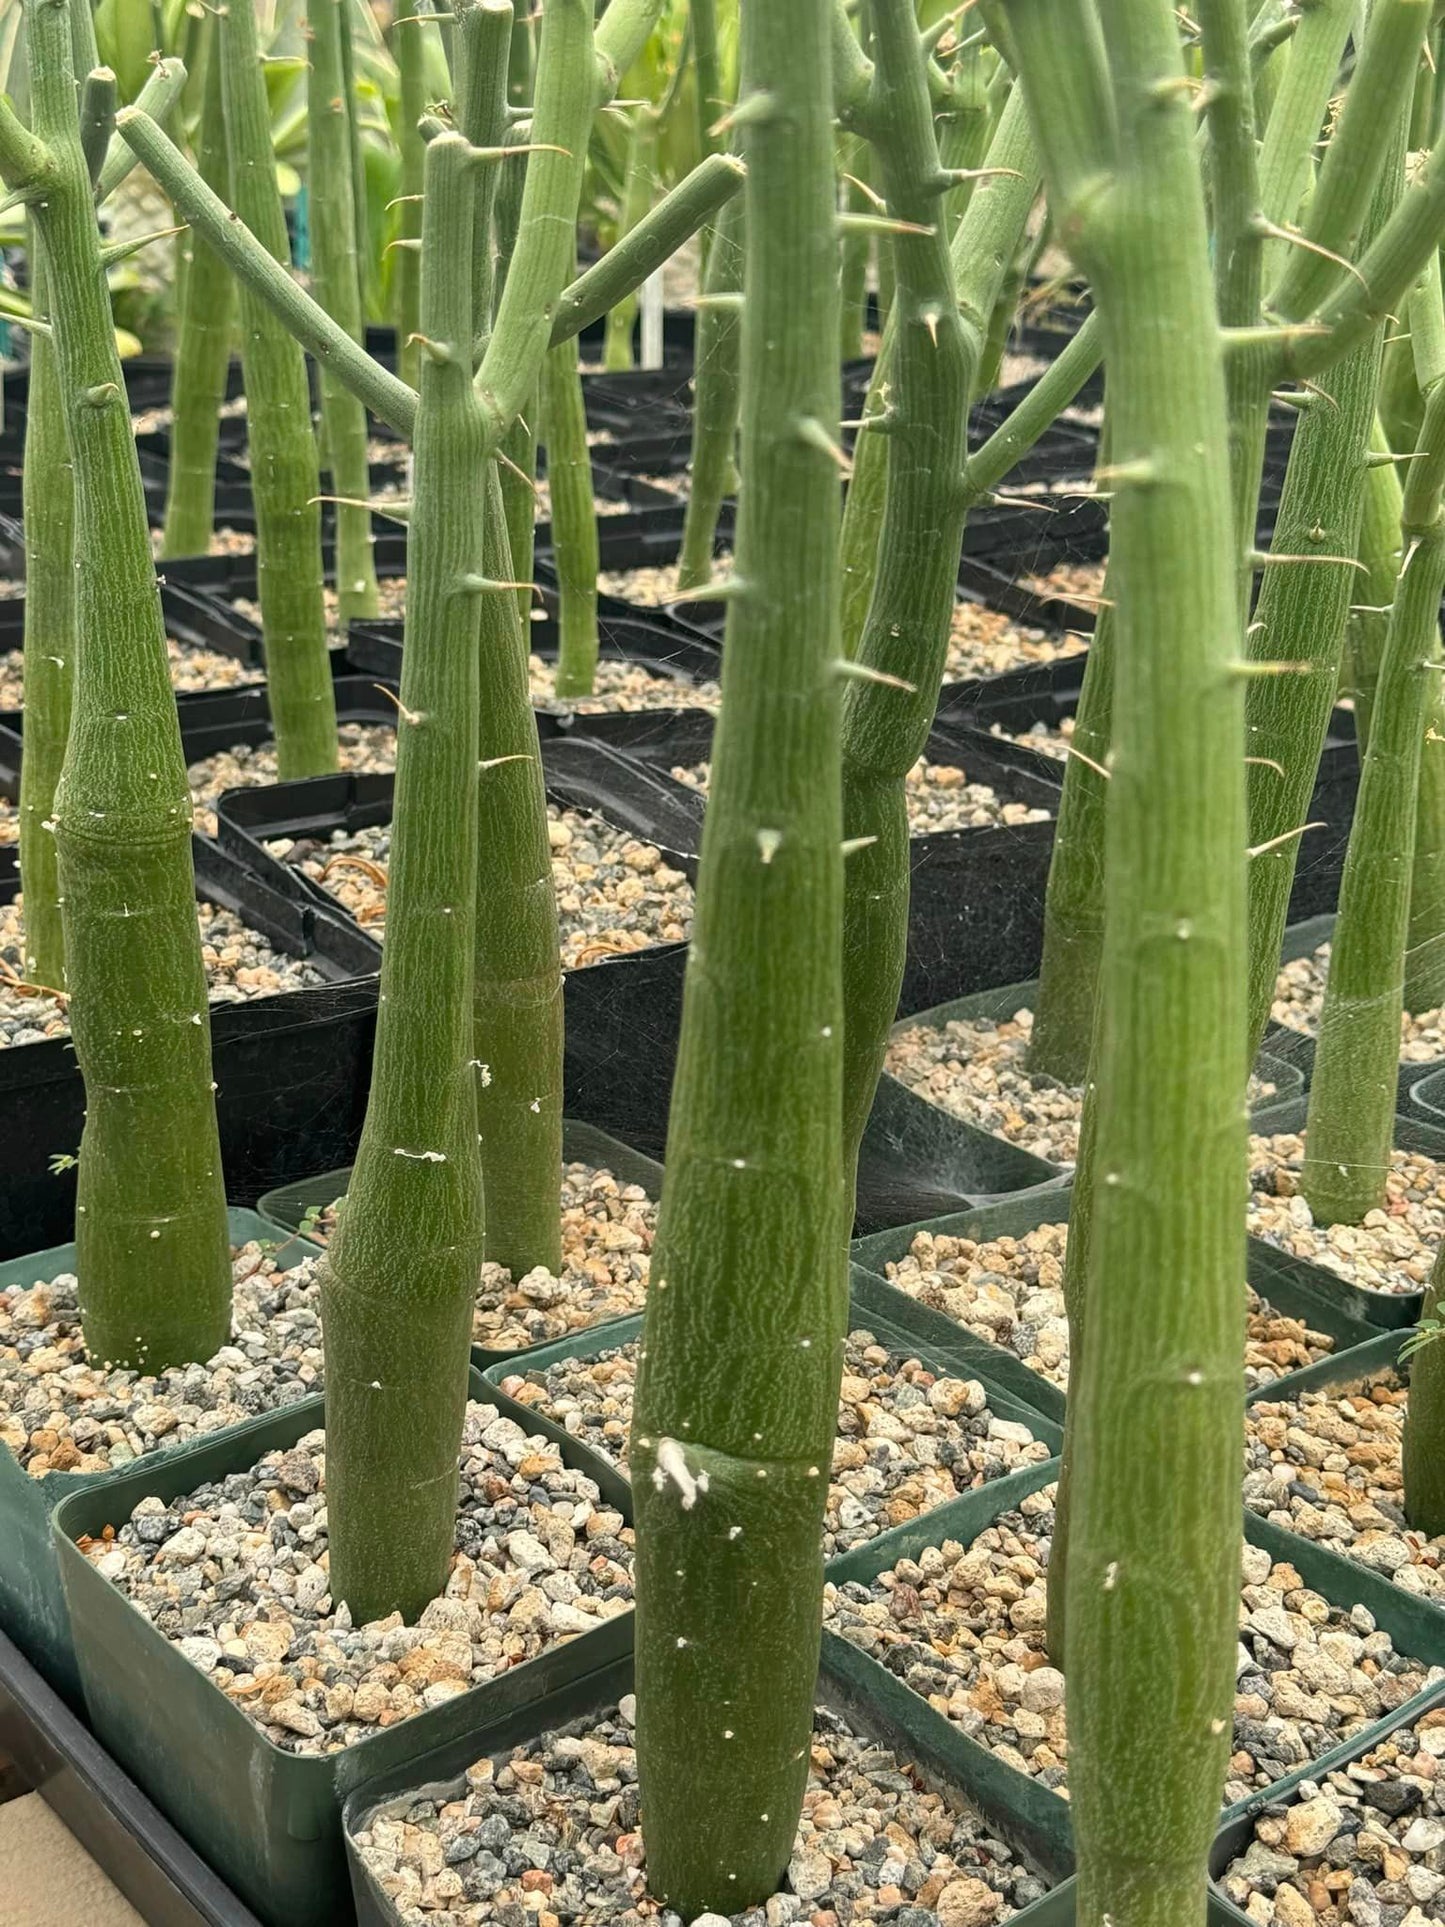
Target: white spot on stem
{"x": 671, "y": 1465}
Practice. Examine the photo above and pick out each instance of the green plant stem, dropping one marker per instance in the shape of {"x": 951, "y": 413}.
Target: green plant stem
{"x": 50, "y": 645}
{"x": 707, "y": 70}
{"x": 400, "y": 1277}
{"x": 638, "y": 189}
{"x": 164, "y": 86}
{"x": 574, "y": 520}
{"x": 338, "y": 289}
{"x": 1300, "y": 620}
{"x": 519, "y": 501}
{"x": 285, "y": 482}
{"x": 855, "y": 248}
{"x": 1351, "y": 1122}
{"x": 409, "y": 52}
{"x": 715, "y": 400}
{"x": 1424, "y": 1444}
{"x": 152, "y": 1250}
{"x": 203, "y": 343}
{"x": 1373, "y": 586}
{"x": 867, "y": 493}
{"x": 1155, "y": 1522}
{"x": 748, "y": 1305}
{"x": 518, "y": 1020}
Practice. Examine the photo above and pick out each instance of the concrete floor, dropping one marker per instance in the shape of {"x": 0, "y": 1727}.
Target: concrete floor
{"x": 46, "y": 1877}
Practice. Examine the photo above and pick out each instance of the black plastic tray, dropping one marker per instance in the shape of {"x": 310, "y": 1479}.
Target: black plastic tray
{"x": 163, "y": 1878}
{"x": 291, "y": 1069}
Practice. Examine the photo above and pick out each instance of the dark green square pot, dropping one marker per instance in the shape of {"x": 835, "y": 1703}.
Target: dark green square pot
{"x": 32, "y": 1604}
{"x": 1300, "y": 1291}
{"x": 268, "y": 1822}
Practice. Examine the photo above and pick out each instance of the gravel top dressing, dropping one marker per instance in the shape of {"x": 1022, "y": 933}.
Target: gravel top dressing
{"x": 965, "y": 1629}
{"x": 1299, "y": 995}
{"x": 615, "y": 893}
{"x": 621, "y": 685}
{"x": 651, "y": 586}
{"x": 61, "y": 1412}
{"x": 908, "y": 1440}
{"x": 1046, "y": 738}
{"x": 235, "y": 1573}
{"x": 1010, "y": 1291}
{"x": 939, "y": 797}
{"x": 1393, "y": 1249}
{"x": 361, "y": 746}
{"x": 1328, "y": 1466}
{"x": 240, "y": 964}
{"x": 222, "y": 542}
{"x": 553, "y": 1831}
{"x": 984, "y": 642}
{"x": 1362, "y": 1847}
{"x": 191, "y": 668}
{"x": 976, "y": 1068}
{"x": 1070, "y": 581}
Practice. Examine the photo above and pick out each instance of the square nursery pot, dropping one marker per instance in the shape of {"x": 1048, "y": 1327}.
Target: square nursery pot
{"x": 1002, "y": 1004}
{"x": 163, "y": 1878}
{"x": 32, "y": 1604}
{"x": 1386, "y": 1310}
{"x": 1300, "y": 939}
{"x": 849, "y": 1683}
{"x": 873, "y": 1306}
{"x": 286, "y": 1209}
{"x": 649, "y": 641}
{"x": 1289, "y": 1290}
{"x": 269, "y": 1822}
{"x": 291, "y": 1068}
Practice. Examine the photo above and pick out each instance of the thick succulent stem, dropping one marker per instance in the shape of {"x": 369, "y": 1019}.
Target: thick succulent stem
{"x": 409, "y": 50}
{"x": 203, "y": 342}
{"x": 942, "y": 304}
{"x": 854, "y": 250}
{"x": 867, "y": 493}
{"x": 715, "y": 399}
{"x": 401, "y": 1273}
{"x": 742, "y": 1352}
{"x": 1373, "y": 587}
{"x": 50, "y": 646}
{"x": 1300, "y": 620}
{"x": 1425, "y": 944}
{"x": 1074, "y": 899}
{"x": 1155, "y": 1531}
{"x": 638, "y": 189}
{"x": 707, "y": 71}
{"x": 152, "y": 1257}
{"x": 519, "y": 501}
{"x": 518, "y": 995}
{"x": 1351, "y": 1121}
{"x": 1424, "y": 1450}
{"x": 574, "y": 519}
{"x": 284, "y": 476}
{"x": 338, "y": 289}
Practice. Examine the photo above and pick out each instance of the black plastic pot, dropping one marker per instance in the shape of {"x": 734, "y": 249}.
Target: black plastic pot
{"x": 272, "y": 1126}
{"x": 32, "y": 1605}
{"x": 268, "y": 1821}
{"x": 652, "y": 644}
{"x": 164, "y": 1879}
{"x": 1427, "y": 1099}
{"x": 1386, "y": 1310}
{"x": 1295, "y": 1295}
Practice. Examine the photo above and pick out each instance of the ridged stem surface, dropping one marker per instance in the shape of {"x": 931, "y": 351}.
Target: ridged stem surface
{"x": 1350, "y": 1125}
{"x": 401, "y": 1273}
{"x": 1153, "y": 1568}
{"x": 338, "y": 288}
{"x": 409, "y": 51}
{"x": 152, "y": 1251}
{"x": 1424, "y": 1447}
{"x": 203, "y": 342}
{"x": 50, "y": 646}
{"x": 1300, "y": 619}
{"x": 715, "y": 400}
{"x": 742, "y": 1350}
{"x": 639, "y": 185}
{"x": 574, "y": 519}
{"x": 285, "y": 482}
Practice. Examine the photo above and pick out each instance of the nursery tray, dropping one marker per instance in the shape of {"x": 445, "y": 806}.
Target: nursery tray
{"x": 291, "y": 1069}
{"x": 653, "y": 645}
{"x": 32, "y": 1605}
{"x": 1383, "y": 1309}
{"x": 1427, "y": 1098}
{"x": 164, "y": 1879}
{"x": 1295, "y": 1295}
{"x": 268, "y": 1821}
